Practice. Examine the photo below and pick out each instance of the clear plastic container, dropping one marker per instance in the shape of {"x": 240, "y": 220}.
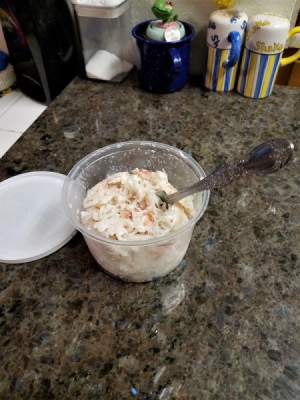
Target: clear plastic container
{"x": 105, "y": 32}
{"x": 142, "y": 260}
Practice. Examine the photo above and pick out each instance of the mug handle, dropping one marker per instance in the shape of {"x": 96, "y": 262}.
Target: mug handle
{"x": 288, "y": 60}
{"x": 235, "y": 38}
{"x": 176, "y": 61}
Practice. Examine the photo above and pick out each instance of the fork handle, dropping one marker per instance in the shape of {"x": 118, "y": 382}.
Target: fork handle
{"x": 265, "y": 159}
{"x": 221, "y": 177}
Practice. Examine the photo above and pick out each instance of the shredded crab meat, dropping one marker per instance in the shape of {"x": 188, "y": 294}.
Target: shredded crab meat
{"x": 125, "y": 206}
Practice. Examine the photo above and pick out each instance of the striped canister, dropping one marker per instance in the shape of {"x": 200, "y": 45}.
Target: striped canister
{"x": 225, "y": 36}
{"x": 218, "y": 78}
{"x": 266, "y": 37}
{"x": 258, "y": 72}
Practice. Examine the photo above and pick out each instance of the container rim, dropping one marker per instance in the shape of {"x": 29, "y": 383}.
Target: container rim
{"x": 136, "y": 34}
{"x": 122, "y": 146}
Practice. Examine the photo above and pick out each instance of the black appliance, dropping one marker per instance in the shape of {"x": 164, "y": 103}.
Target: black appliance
{"x": 43, "y": 45}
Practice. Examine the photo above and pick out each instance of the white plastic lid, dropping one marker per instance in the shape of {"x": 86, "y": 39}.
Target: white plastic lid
{"x": 100, "y": 9}
{"x": 99, "y": 3}
{"x": 32, "y": 221}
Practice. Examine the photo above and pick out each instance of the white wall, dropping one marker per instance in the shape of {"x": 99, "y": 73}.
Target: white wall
{"x": 197, "y": 13}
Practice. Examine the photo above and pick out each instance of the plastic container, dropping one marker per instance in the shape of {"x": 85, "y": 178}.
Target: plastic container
{"x": 107, "y": 47}
{"x": 142, "y": 260}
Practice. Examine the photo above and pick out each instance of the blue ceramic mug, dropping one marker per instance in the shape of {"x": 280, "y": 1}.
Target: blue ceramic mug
{"x": 163, "y": 67}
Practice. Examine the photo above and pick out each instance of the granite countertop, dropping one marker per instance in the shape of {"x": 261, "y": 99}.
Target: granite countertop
{"x": 224, "y": 325}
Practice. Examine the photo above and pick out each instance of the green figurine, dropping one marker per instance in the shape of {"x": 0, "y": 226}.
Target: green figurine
{"x": 164, "y": 10}
{"x": 166, "y": 27}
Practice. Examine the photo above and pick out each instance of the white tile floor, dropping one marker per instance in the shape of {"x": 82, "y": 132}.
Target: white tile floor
{"x": 17, "y": 113}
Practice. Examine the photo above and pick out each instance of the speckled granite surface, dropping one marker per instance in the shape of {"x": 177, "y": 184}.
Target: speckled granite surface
{"x": 225, "y": 325}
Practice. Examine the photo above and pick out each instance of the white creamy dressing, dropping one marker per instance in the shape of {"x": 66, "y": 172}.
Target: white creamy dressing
{"x": 124, "y": 206}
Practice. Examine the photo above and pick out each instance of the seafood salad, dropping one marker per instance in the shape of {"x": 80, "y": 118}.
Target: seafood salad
{"x": 124, "y": 206}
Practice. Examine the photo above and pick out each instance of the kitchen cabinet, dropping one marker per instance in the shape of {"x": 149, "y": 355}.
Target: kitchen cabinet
{"x": 290, "y": 74}
{"x": 294, "y": 77}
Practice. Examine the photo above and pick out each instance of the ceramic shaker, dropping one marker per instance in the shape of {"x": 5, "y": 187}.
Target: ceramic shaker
{"x": 225, "y": 36}
{"x": 266, "y": 38}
